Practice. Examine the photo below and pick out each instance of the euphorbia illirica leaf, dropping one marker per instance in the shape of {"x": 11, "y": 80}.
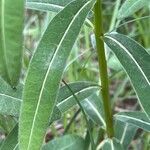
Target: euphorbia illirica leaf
{"x": 47, "y": 5}
{"x": 135, "y": 60}
{"x": 45, "y": 71}
{"x": 124, "y": 132}
{"x": 11, "y": 141}
{"x": 67, "y": 142}
{"x": 10, "y": 99}
{"x": 138, "y": 119}
{"x": 11, "y": 39}
{"x": 110, "y": 144}
{"x": 131, "y": 6}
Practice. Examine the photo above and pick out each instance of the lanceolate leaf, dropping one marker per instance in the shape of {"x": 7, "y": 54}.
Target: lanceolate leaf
{"x": 45, "y": 72}
{"x": 135, "y": 60}
{"x": 138, "y": 119}
{"x": 67, "y": 142}
{"x": 131, "y": 6}
{"x": 93, "y": 107}
{"x": 10, "y": 99}
{"x": 124, "y": 132}
{"x": 47, "y": 5}
{"x": 11, "y": 142}
{"x": 110, "y": 144}
{"x": 81, "y": 89}
{"x": 11, "y": 39}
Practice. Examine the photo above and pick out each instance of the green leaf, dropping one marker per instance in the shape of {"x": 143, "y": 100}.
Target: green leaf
{"x": 135, "y": 60}
{"x": 81, "y": 89}
{"x": 11, "y": 142}
{"x": 93, "y": 107}
{"x": 10, "y": 99}
{"x": 67, "y": 142}
{"x": 129, "y": 7}
{"x": 45, "y": 72}
{"x": 110, "y": 144}
{"x": 138, "y": 119}
{"x": 47, "y": 5}
{"x": 11, "y": 39}
{"x": 124, "y": 132}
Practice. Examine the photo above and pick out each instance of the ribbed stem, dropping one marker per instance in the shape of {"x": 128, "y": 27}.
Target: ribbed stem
{"x": 103, "y": 67}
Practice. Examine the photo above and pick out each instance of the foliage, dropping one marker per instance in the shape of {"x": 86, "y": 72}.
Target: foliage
{"x": 74, "y": 53}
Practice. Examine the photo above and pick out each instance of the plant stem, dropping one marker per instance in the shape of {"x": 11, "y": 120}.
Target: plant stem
{"x": 103, "y": 68}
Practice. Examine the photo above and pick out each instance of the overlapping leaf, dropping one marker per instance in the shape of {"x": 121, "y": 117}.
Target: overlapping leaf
{"x": 81, "y": 89}
{"x": 10, "y": 99}
{"x": 110, "y": 144}
{"x": 47, "y": 5}
{"x": 45, "y": 72}
{"x": 11, "y": 39}
{"x": 68, "y": 142}
{"x": 93, "y": 107}
{"x": 135, "y": 60}
{"x": 131, "y": 6}
{"x": 124, "y": 132}
{"x": 11, "y": 142}
{"x": 138, "y": 119}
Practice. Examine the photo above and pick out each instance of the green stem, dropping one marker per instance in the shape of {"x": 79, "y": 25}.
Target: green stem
{"x": 103, "y": 68}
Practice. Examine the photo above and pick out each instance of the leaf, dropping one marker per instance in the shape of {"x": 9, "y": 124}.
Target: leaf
{"x": 10, "y": 99}
{"x": 93, "y": 107}
{"x": 11, "y": 142}
{"x": 47, "y": 5}
{"x": 110, "y": 144}
{"x": 129, "y": 7}
{"x": 135, "y": 60}
{"x": 138, "y": 119}
{"x": 124, "y": 132}
{"x": 67, "y": 142}
{"x": 45, "y": 71}
{"x": 11, "y": 39}
{"x": 81, "y": 89}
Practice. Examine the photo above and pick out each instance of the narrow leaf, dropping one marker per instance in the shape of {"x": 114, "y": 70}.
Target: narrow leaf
{"x": 124, "y": 132}
{"x": 138, "y": 119}
{"x": 81, "y": 89}
{"x": 10, "y": 99}
{"x": 67, "y": 142}
{"x": 45, "y": 71}
{"x": 129, "y": 7}
{"x": 11, "y": 39}
{"x": 47, "y": 5}
{"x": 93, "y": 107}
{"x": 135, "y": 60}
{"x": 11, "y": 142}
{"x": 110, "y": 144}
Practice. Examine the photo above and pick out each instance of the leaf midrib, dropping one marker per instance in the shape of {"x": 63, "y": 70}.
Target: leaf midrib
{"x": 134, "y": 119}
{"x": 124, "y": 48}
{"x": 5, "y": 95}
{"x": 96, "y": 111}
{"x": 47, "y": 4}
{"x": 76, "y": 93}
{"x": 47, "y": 73}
